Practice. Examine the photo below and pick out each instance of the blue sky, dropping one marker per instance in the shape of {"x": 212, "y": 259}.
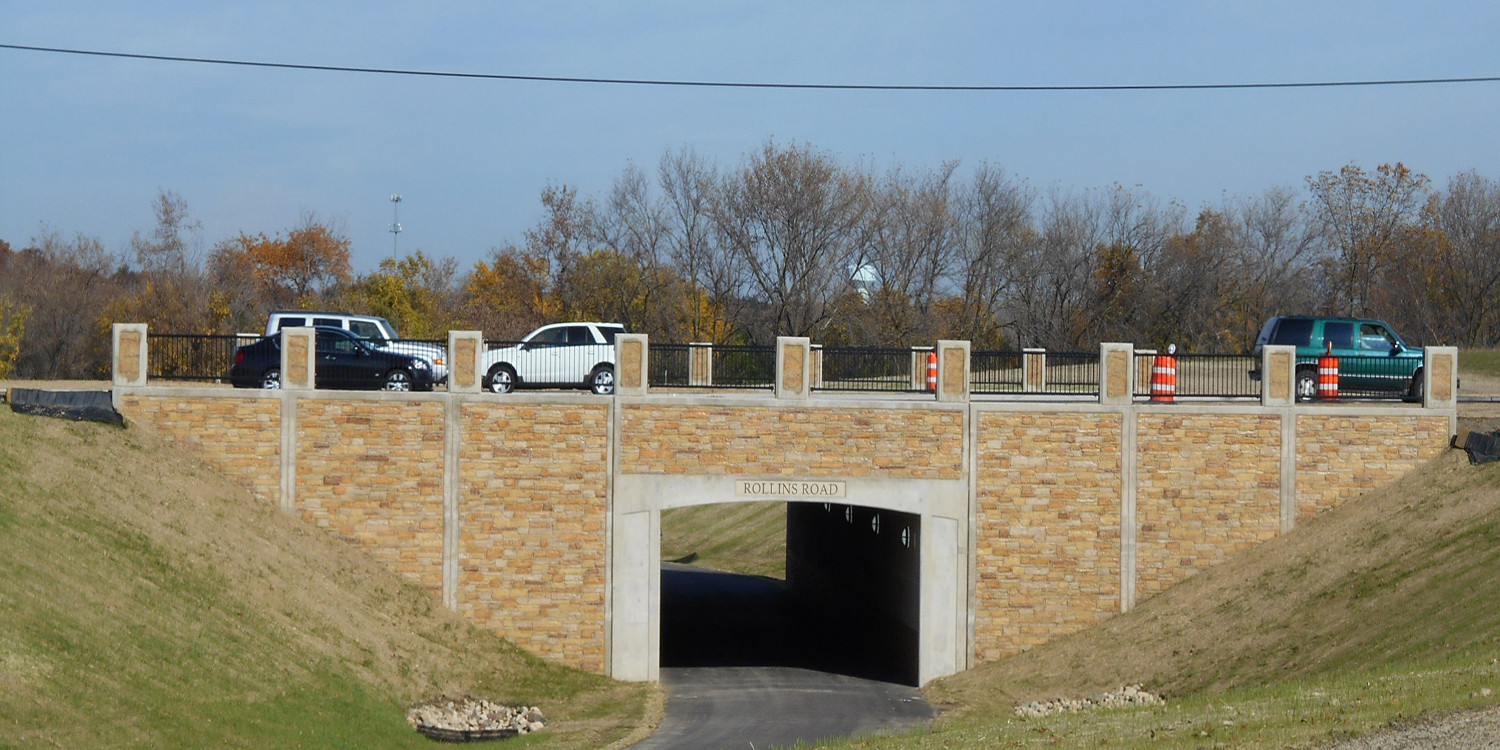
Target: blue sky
{"x": 88, "y": 141}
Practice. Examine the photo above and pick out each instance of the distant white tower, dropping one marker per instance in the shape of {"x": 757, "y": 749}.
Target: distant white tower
{"x": 395, "y": 222}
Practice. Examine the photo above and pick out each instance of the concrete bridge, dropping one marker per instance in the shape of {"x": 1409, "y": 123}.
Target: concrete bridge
{"x": 979, "y": 527}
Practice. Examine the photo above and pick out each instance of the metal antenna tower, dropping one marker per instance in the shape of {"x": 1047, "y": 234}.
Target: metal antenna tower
{"x": 395, "y": 222}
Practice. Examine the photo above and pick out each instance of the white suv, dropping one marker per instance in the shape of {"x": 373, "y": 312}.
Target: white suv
{"x": 561, "y": 355}
{"x": 377, "y": 330}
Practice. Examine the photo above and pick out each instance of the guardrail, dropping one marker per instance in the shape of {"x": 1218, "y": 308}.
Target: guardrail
{"x": 870, "y": 369}
{"x": 1225, "y": 376}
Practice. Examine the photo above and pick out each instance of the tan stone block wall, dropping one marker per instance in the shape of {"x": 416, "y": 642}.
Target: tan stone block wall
{"x": 240, "y": 437}
{"x": 1340, "y": 457}
{"x": 371, "y": 472}
{"x": 1207, "y": 487}
{"x": 1047, "y": 526}
{"x": 792, "y": 441}
{"x": 534, "y": 505}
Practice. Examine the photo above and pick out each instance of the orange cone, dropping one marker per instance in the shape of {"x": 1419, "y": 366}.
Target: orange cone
{"x": 1164, "y": 377}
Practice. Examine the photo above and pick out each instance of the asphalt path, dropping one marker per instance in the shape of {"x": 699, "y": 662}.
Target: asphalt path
{"x": 744, "y": 665}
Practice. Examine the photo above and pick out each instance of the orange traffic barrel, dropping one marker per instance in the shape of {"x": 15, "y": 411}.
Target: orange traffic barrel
{"x": 1164, "y": 377}
{"x": 1328, "y": 376}
{"x": 932, "y": 372}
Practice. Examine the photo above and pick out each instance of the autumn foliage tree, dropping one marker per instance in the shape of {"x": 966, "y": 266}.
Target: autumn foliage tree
{"x": 265, "y": 273}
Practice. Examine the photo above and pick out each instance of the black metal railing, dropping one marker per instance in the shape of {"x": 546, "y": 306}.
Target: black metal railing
{"x": 869, "y": 369}
{"x": 721, "y": 366}
{"x": 1222, "y": 376}
{"x": 1062, "y": 373}
{"x": 996, "y": 372}
{"x": 1380, "y": 377}
{"x": 190, "y": 356}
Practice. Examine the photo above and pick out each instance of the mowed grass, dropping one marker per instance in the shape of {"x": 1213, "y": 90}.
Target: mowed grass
{"x": 748, "y": 538}
{"x": 146, "y": 601}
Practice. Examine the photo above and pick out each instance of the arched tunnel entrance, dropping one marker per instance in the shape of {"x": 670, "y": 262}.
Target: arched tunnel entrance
{"x": 849, "y": 600}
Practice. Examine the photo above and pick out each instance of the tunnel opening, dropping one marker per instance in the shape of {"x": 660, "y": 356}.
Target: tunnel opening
{"x": 846, "y": 601}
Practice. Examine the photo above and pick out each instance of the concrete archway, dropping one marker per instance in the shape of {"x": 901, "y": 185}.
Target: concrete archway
{"x": 941, "y": 507}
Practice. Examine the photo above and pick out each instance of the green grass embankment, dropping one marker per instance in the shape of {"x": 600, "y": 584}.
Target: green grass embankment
{"x": 146, "y": 601}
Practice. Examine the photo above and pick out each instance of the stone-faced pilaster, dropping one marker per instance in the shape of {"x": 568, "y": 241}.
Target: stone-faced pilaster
{"x": 701, "y": 363}
{"x": 129, "y": 361}
{"x": 464, "y": 351}
{"x": 630, "y": 364}
{"x": 1278, "y": 375}
{"x": 793, "y": 363}
{"x": 299, "y": 349}
{"x": 1440, "y": 377}
{"x": 1034, "y": 370}
{"x": 1116, "y": 373}
{"x": 953, "y": 371}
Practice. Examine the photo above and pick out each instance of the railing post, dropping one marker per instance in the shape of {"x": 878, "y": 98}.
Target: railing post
{"x": 1115, "y": 373}
{"x": 815, "y": 369}
{"x": 464, "y": 351}
{"x": 1145, "y": 362}
{"x": 1034, "y": 370}
{"x": 792, "y": 366}
{"x": 299, "y": 358}
{"x": 701, "y": 363}
{"x": 631, "y": 353}
{"x": 1278, "y": 375}
{"x": 953, "y": 370}
{"x": 919, "y": 367}
{"x": 1440, "y": 377}
{"x": 129, "y": 363}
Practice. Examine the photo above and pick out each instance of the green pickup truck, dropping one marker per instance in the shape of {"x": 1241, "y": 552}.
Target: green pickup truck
{"x": 1373, "y": 359}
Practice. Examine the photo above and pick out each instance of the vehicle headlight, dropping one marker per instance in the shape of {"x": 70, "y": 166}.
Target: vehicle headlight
{"x": 420, "y": 364}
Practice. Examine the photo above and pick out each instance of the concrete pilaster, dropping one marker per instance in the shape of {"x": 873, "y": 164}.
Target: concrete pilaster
{"x": 464, "y": 351}
{"x": 299, "y": 351}
{"x": 1116, "y": 370}
{"x": 793, "y": 364}
{"x": 128, "y": 364}
{"x": 1440, "y": 377}
{"x": 631, "y": 352}
{"x": 953, "y": 370}
{"x": 1278, "y": 375}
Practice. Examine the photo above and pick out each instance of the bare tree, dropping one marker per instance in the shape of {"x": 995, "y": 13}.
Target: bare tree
{"x": 912, "y": 249}
{"x": 793, "y": 217}
{"x": 690, "y": 186}
{"x": 997, "y": 260}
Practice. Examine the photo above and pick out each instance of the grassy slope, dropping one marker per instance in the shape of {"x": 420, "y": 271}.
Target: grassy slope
{"x": 1387, "y": 603}
{"x": 747, "y": 538}
{"x": 147, "y": 601}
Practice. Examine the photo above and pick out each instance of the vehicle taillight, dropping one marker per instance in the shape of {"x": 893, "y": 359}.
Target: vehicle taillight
{"x": 239, "y": 356}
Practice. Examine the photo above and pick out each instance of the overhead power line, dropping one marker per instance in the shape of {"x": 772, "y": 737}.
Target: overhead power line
{"x": 754, "y": 85}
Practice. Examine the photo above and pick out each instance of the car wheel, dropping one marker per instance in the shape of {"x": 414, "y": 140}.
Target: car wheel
{"x": 500, "y": 379}
{"x": 1417, "y": 390}
{"x": 270, "y": 379}
{"x": 602, "y": 381}
{"x": 398, "y": 380}
{"x": 1307, "y": 385}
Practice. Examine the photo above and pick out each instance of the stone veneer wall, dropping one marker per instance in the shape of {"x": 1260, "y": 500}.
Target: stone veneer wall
{"x": 371, "y": 472}
{"x": 1207, "y": 486}
{"x": 1047, "y": 526}
{"x": 239, "y": 436}
{"x": 1339, "y": 457}
{"x": 926, "y": 443}
{"x": 533, "y": 515}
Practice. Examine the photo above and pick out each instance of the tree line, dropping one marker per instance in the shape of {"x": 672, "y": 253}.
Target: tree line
{"x": 793, "y": 241}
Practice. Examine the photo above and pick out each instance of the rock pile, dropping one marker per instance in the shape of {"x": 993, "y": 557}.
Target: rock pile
{"x": 1128, "y": 696}
{"x": 474, "y": 718}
